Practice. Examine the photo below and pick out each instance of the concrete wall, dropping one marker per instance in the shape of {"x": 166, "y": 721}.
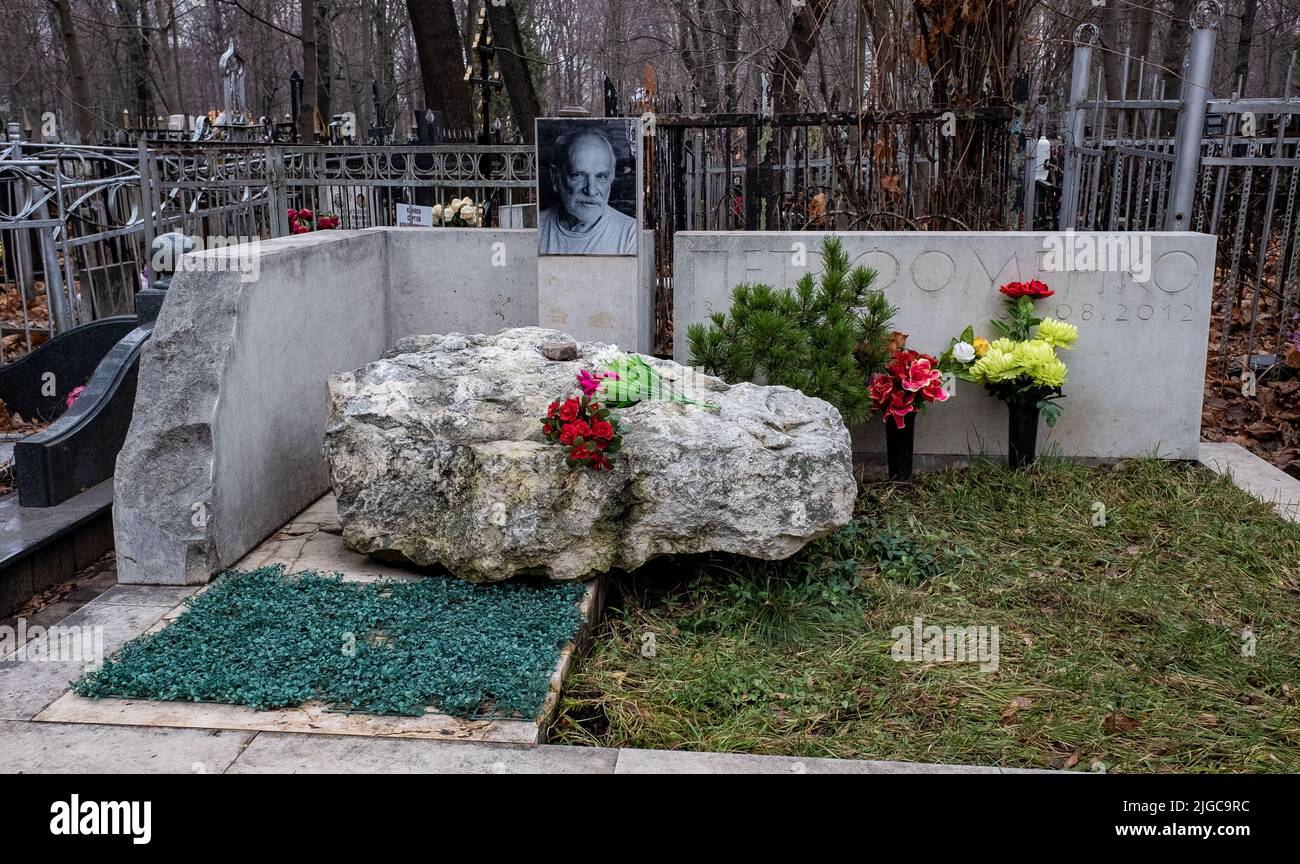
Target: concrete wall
{"x": 472, "y": 280}
{"x": 1136, "y": 378}
{"x": 600, "y": 298}
{"x": 225, "y": 442}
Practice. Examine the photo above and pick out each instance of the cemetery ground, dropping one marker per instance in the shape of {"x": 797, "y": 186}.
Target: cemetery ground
{"x": 1161, "y": 640}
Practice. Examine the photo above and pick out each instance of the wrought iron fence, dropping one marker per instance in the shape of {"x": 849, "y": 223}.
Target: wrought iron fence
{"x": 76, "y": 223}
{"x": 1226, "y": 166}
{"x": 928, "y": 170}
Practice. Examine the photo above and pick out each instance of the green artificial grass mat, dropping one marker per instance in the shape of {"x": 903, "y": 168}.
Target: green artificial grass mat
{"x": 267, "y": 640}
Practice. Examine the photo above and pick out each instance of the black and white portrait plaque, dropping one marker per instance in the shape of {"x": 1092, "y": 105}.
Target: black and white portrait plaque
{"x": 587, "y": 172}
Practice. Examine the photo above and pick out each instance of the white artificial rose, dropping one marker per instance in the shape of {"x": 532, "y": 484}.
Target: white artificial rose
{"x": 467, "y": 212}
{"x": 437, "y": 212}
{"x": 455, "y": 204}
{"x": 963, "y": 352}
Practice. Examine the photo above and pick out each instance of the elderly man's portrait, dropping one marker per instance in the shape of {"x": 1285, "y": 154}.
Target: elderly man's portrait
{"x": 587, "y": 186}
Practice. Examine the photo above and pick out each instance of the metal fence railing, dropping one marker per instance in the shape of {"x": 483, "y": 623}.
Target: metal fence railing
{"x": 76, "y": 222}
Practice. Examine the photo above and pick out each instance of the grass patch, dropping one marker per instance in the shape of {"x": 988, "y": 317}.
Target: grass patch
{"x": 267, "y": 640}
{"x": 1119, "y": 644}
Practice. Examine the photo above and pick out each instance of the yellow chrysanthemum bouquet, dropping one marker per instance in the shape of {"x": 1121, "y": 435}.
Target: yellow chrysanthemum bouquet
{"x": 1021, "y": 367}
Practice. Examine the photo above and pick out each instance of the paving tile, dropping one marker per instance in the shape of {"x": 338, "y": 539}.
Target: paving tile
{"x": 29, "y": 682}
{"x": 310, "y": 719}
{"x": 272, "y": 752}
{"x": 26, "y": 687}
{"x": 631, "y": 761}
{"x": 49, "y": 748}
{"x": 145, "y": 595}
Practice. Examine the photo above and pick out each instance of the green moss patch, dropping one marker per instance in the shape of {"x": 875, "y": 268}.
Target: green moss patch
{"x": 267, "y": 640}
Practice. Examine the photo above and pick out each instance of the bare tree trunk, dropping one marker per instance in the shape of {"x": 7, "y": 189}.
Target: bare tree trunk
{"x": 524, "y": 102}
{"x": 169, "y": 86}
{"x": 77, "y": 66}
{"x": 324, "y": 64}
{"x": 433, "y": 23}
{"x": 1139, "y": 43}
{"x": 137, "y": 58}
{"x": 1176, "y": 42}
{"x": 1241, "y": 73}
{"x": 1112, "y": 50}
{"x": 790, "y": 60}
{"x": 307, "y": 110}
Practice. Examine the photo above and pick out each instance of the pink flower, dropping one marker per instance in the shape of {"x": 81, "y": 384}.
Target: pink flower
{"x": 75, "y": 395}
{"x": 591, "y": 383}
{"x": 920, "y": 374}
{"x": 588, "y": 382}
{"x": 900, "y": 405}
{"x": 934, "y": 393}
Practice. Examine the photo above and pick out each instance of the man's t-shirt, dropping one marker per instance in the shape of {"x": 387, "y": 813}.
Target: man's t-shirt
{"x": 613, "y": 234}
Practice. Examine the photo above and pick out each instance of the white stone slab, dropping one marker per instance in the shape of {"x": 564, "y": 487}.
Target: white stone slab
{"x": 59, "y": 748}
{"x": 465, "y": 280}
{"x": 1136, "y": 377}
{"x": 1251, "y": 473}
{"x": 600, "y": 298}
{"x": 315, "y": 754}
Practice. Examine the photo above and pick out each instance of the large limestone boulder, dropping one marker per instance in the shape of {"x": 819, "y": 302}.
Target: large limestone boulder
{"x": 437, "y": 457}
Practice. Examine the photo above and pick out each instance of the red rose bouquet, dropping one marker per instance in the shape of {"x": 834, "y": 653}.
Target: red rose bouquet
{"x": 302, "y": 221}
{"x": 589, "y": 429}
{"x": 909, "y": 383}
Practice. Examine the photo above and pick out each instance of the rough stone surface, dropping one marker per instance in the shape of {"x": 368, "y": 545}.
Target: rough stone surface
{"x": 437, "y": 457}
{"x": 224, "y": 443}
{"x": 560, "y": 350}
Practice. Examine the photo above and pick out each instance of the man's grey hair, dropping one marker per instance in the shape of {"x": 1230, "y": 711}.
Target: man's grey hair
{"x": 565, "y": 141}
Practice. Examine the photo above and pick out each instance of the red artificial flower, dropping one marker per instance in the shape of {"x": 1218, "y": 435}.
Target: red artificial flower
{"x": 1033, "y": 288}
{"x": 602, "y": 429}
{"x": 903, "y": 358}
{"x": 882, "y": 386}
{"x": 582, "y": 454}
{"x": 920, "y": 374}
{"x": 598, "y": 461}
{"x": 551, "y": 409}
{"x": 934, "y": 392}
{"x": 900, "y": 405}
{"x": 569, "y": 410}
{"x": 304, "y": 214}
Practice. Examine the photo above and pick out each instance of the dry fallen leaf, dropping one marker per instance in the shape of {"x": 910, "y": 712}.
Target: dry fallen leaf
{"x": 1073, "y": 760}
{"x": 1011, "y": 714}
{"x": 1207, "y": 720}
{"x": 1118, "y": 723}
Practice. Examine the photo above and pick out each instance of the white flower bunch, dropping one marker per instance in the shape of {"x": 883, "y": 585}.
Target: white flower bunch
{"x": 460, "y": 213}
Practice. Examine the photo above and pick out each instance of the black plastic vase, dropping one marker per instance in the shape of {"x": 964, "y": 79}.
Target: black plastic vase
{"x": 898, "y": 447}
{"x": 1022, "y": 434}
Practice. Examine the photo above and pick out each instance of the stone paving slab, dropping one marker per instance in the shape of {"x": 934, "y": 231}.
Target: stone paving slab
{"x": 58, "y": 748}
{"x": 145, "y": 595}
{"x": 272, "y": 753}
{"x": 1254, "y": 475}
{"x": 28, "y": 685}
{"x": 632, "y": 761}
{"x": 311, "y": 719}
